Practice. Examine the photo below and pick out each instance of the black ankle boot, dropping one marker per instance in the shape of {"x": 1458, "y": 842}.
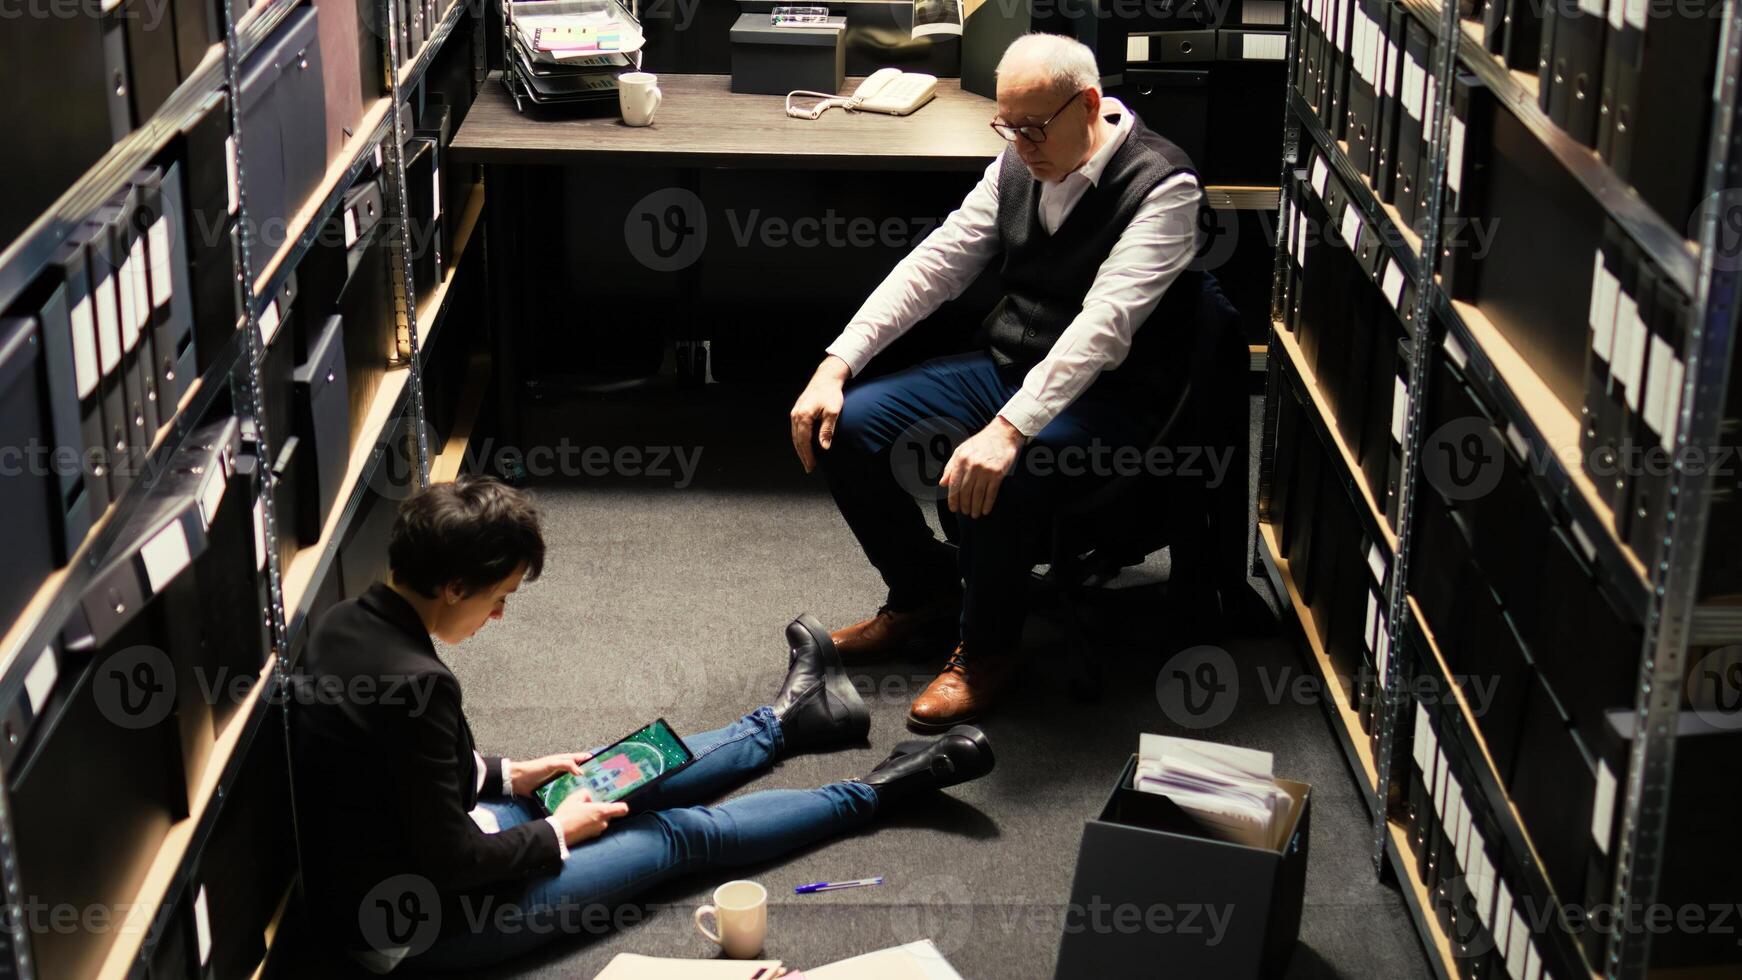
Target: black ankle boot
{"x": 818, "y": 704}
{"x": 917, "y": 766}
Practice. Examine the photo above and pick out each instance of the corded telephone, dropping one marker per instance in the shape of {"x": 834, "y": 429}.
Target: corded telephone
{"x": 887, "y": 90}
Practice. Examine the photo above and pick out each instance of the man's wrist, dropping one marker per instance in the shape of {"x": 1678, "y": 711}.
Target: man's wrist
{"x": 1009, "y": 430}
{"x": 835, "y": 367}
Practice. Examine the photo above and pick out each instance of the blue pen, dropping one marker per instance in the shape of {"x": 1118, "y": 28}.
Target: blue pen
{"x": 829, "y": 886}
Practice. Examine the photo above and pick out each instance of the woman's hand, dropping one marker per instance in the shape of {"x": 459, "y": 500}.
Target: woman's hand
{"x": 583, "y": 820}
{"x": 818, "y": 409}
{"x": 524, "y": 777}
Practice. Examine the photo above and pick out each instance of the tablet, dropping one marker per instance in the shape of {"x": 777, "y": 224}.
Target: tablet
{"x": 623, "y": 768}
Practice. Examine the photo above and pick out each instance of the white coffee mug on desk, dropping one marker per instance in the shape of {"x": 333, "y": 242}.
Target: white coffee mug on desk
{"x": 639, "y": 94}
{"x": 740, "y": 912}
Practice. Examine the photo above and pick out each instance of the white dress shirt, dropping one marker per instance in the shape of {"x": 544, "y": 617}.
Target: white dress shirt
{"x": 1155, "y": 247}
{"x": 487, "y": 821}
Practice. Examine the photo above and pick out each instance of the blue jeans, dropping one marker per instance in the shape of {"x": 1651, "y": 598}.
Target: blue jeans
{"x": 894, "y": 436}
{"x": 665, "y": 835}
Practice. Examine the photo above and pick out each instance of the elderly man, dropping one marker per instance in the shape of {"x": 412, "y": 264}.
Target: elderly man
{"x": 1091, "y": 220}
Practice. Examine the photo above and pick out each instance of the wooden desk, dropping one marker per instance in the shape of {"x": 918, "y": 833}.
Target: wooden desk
{"x": 702, "y": 124}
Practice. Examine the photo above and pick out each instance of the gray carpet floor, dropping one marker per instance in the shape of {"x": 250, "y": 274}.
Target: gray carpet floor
{"x": 661, "y": 600}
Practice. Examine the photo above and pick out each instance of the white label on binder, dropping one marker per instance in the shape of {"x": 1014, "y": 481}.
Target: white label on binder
{"x": 1483, "y": 873}
{"x": 1455, "y": 158}
{"x": 1517, "y": 941}
{"x": 1413, "y": 76}
{"x": 141, "y": 285}
{"x": 1633, "y": 369}
{"x": 1320, "y": 173}
{"x": 1431, "y": 107}
{"x": 1382, "y": 657}
{"x": 1376, "y": 563}
{"x": 1372, "y": 619}
{"x": 1615, "y": 14}
{"x": 1620, "y": 336}
{"x": 129, "y": 297}
{"x": 165, "y": 555}
{"x": 84, "y": 348}
{"x": 1454, "y": 811}
{"x": 1342, "y": 27}
{"x": 40, "y": 681}
{"x": 1418, "y": 745}
{"x": 108, "y": 329}
{"x": 1634, "y": 14}
{"x": 1584, "y": 541}
{"x": 230, "y": 167}
{"x": 1390, "y": 71}
{"x": 1603, "y": 808}
{"x": 1502, "y": 915}
{"x": 436, "y": 189}
{"x": 259, "y": 533}
{"x": 211, "y": 495}
{"x": 202, "y": 926}
{"x": 1656, "y": 384}
{"x": 1137, "y": 47}
{"x": 1532, "y": 963}
{"x": 1351, "y": 225}
{"x": 162, "y": 283}
{"x": 1592, "y": 7}
{"x": 1515, "y": 438}
{"x": 1263, "y": 47}
{"x": 1363, "y": 35}
{"x": 1672, "y": 417}
{"x": 350, "y": 227}
{"x": 1300, "y": 240}
{"x": 1394, "y": 283}
{"x": 1462, "y": 844}
{"x": 377, "y": 156}
{"x": 1399, "y": 408}
{"x": 1599, "y": 302}
{"x": 269, "y": 323}
{"x": 1454, "y": 349}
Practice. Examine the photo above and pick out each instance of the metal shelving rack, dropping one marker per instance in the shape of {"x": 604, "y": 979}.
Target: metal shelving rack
{"x": 236, "y": 370}
{"x": 1665, "y": 595}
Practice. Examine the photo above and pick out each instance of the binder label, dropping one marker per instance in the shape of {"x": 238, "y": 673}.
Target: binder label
{"x": 1602, "y": 315}
{"x": 40, "y": 681}
{"x": 1372, "y": 619}
{"x": 1603, "y": 809}
{"x": 1517, "y": 941}
{"x": 1502, "y": 915}
{"x": 84, "y": 348}
{"x": 1633, "y": 369}
{"x": 269, "y": 323}
{"x": 202, "y": 926}
{"x": 259, "y": 533}
{"x": 1672, "y": 415}
{"x": 1351, "y": 228}
{"x": 1634, "y": 14}
{"x": 1376, "y": 563}
{"x": 1532, "y": 962}
{"x": 1263, "y": 47}
{"x": 1657, "y": 384}
{"x": 230, "y": 168}
{"x": 1455, "y": 158}
{"x": 1419, "y": 746}
{"x": 350, "y": 227}
{"x": 436, "y": 189}
{"x": 135, "y": 281}
{"x": 1394, "y": 283}
{"x": 1391, "y": 61}
{"x": 1137, "y": 47}
{"x": 1515, "y": 438}
{"x": 108, "y": 331}
{"x": 211, "y": 495}
{"x": 1482, "y": 874}
{"x": 1399, "y": 407}
{"x": 1320, "y": 173}
{"x": 1441, "y": 773}
{"x": 1592, "y": 7}
{"x": 165, "y": 555}
{"x": 1455, "y": 816}
{"x": 1382, "y": 657}
{"x": 162, "y": 285}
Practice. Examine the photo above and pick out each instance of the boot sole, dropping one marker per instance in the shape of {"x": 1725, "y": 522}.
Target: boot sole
{"x": 835, "y": 680}
{"x": 938, "y": 727}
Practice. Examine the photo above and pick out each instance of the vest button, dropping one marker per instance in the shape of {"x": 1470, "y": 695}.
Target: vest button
{"x": 1029, "y": 332}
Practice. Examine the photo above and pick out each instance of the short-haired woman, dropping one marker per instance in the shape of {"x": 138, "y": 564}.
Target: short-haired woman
{"x": 419, "y": 851}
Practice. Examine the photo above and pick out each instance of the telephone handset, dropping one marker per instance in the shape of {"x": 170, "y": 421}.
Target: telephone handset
{"x": 887, "y": 90}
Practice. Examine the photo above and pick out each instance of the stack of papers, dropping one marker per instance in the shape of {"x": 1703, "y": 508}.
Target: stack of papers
{"x": 569, "y": 51}
{"x": 1230, "y": 790}
{"x": 914, "y": 961}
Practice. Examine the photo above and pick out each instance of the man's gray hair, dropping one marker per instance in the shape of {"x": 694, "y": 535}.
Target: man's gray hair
{"x": 1063, "y": 62}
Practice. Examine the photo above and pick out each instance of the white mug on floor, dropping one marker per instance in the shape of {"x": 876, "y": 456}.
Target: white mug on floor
{"x": 639, "y": 94}
{"x": 740, "y": 912}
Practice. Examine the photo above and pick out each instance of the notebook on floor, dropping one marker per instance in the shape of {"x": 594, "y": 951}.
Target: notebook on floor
{"x": 633, "y": 966}
{"x": 914, "y": 961}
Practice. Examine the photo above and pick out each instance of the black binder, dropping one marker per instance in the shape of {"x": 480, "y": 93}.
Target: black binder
{"x": 1521, "y": 47}
{"x": 151, "y": 59}
{"x": 136, "y": 354}
{"x": 1578, "y": 69}
{"x": 1472, "y": 140}
{"x": 1363, "y": 73}
{"x": 1623, "y": 42}
{"x": 424, "y": 226}
{"x": 73, "y": 358}
{"x": 196, "y": 29}
{"x": 1662, "y": 152}
{"x": 105, "y": 274}
{"x": 28, "y": 536}
{"x": 1633, "y": 317}
{"x": 1410, "y": 121}
{"x": 162, "y": 209}
{"x": 1388, "y": 105}
{"x": 1331, "y": 109}
{"x": 323, "y": 425}
{"x": 1665, "y": 371}
{"x": 1612, "y": 266}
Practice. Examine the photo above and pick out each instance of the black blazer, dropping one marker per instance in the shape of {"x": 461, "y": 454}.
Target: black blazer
{"x": 384, "y": 768}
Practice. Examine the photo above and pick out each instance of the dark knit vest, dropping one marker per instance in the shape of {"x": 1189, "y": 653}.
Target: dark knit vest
{"x": 1046, "y": 277}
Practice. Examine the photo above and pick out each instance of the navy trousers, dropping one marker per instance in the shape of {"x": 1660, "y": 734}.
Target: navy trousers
{"x": 894, "y": 436}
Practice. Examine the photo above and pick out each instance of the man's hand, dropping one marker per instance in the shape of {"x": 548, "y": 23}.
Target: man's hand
{"x": 582, "y": 819}
{"x": 818, "y": 408}
{"x": 526, "y": 776}
{"x": 977, "y": 467}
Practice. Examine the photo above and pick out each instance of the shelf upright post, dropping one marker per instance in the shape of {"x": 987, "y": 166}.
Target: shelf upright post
{"x": 1670, "y": 618}
{"x": 1278, "y": 276}
{"x": 400, "y": 242}
{"x": 1442, "y": 72}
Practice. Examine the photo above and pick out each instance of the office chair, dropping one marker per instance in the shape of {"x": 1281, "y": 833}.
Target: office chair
{"x": 1128, "y": 517}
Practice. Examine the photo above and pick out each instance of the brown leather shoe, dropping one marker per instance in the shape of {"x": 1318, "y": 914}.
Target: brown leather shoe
{"x": 961, "y": 693}
{"x": 889, "y": 630}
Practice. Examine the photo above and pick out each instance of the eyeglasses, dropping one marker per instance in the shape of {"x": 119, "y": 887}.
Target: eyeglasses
{"x": 1034, "y": 134}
